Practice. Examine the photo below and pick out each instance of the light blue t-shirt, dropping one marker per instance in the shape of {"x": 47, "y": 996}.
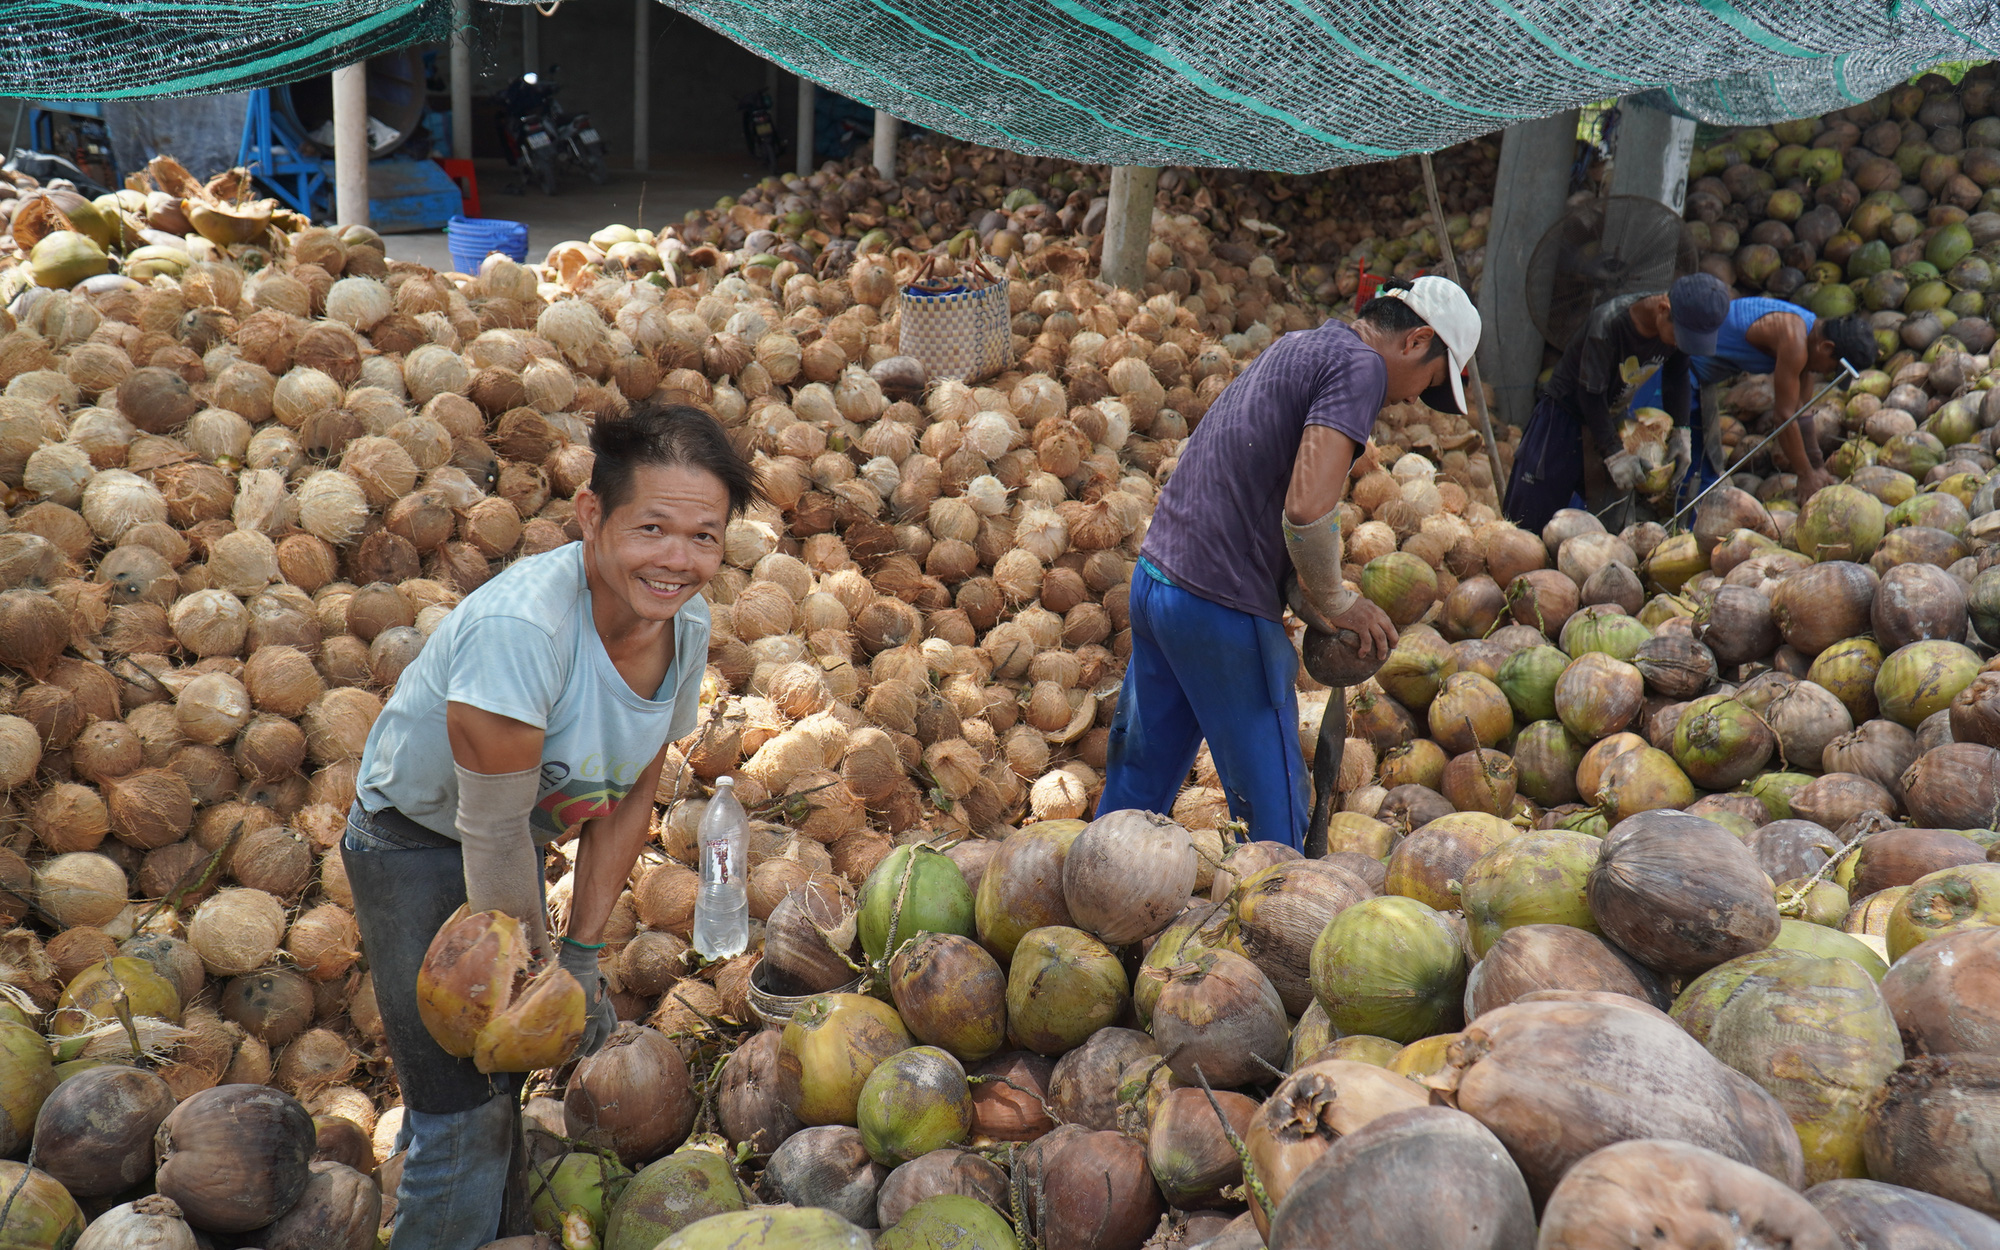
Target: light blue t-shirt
{"x": 524, "y": 646}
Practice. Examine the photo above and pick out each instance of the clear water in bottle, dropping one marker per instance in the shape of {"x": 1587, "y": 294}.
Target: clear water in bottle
{"x": 722, "y": 909}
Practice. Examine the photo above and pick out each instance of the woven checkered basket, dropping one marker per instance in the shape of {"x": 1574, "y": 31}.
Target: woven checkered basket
{"x": 959, "y": 327}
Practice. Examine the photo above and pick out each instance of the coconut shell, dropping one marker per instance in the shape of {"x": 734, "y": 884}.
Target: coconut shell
{"x": 1557, "y": 1080}
{"x": 1097, "y": 1192}
{"x": 1903, "y": 856}
{"x": 1341, "y": 1199}
{"x": 951, "y": 994}
{"x": 1871, "y": 1213}
{"x": 1673, "y": 1193}
{"x": 95, "y": 1132}
{"x": 1680, "y": 893}
{"x": 1013, "y": 1106}
{"x": 1917, "y": 602}
{"x": 235, "y": 1157}
{"x": 1127, "y": 875}
{"x": 1942, "y": 995}
{"x": 634, "y": 1096}
{"x": 748, "y": 1103}
{"x": 1277, "y": 915}
{"x": 1955, "y": 786}
{"x": 1529, "y": 958}
{"x": 1931, "y": 1123}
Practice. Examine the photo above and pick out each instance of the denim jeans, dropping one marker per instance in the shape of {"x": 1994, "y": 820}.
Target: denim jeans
{"x": 458, "y": 1122}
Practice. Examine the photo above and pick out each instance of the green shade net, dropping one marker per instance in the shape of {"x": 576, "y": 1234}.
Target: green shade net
{"x": 1290, "y": 85}
{"x": 1300, "y": 85}
{"x": 106, "y": 50}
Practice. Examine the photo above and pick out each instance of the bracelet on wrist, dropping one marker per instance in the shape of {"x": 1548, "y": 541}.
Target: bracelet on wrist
{"x": 582, "y": 946}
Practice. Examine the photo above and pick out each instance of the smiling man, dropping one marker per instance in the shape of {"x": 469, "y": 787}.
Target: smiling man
{"x": 540, "y": 709}
{"x": 1250, "y": 507}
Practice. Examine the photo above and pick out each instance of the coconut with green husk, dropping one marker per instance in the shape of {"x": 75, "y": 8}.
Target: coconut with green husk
{"x": 1390, "y": 967}
{"x": 1815, "y": 1032}
{"x": 914, "y": 1102}
{"x": 1537, "y": 878}
{"x": 915, "y": 889}
{"x": 669, "y": 1194}
{"x": 1062, "y": 986}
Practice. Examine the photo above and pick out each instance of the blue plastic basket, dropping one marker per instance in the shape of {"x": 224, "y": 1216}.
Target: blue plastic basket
{"x": 472, "y": 239}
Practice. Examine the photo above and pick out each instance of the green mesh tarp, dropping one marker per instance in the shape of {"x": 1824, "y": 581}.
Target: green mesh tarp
{"x": 1300, "y": 85}
{"x": 1289, "y": 85}
{"x": 108, "y": 50}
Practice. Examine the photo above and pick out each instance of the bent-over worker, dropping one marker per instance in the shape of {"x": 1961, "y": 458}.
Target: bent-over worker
{"x": 1765, "y": 335}
{"x": 1252, "y": 502}
{"x": 539, "y": 709}
{"x": 1602, "y": 363}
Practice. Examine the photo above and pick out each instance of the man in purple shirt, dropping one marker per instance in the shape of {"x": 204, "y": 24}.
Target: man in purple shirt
{"x": 1252, "y": 502}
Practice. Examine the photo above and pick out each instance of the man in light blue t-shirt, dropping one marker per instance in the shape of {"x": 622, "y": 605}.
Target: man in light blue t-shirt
{"x": 540, "y": 709}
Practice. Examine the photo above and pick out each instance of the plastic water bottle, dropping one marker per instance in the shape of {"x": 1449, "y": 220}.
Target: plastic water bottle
{"x": 722, "y": 909}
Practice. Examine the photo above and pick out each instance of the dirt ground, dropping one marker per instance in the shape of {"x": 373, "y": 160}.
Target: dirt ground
{"x": 652, "y": 200}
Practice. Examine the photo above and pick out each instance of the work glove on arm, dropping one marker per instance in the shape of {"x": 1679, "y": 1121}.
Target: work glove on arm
{"x": 1315, "y": 550}
{"x": 1681, "y": 444}
{"x": 503, "y": 872}
{"x": 1627, "y": 470}
{"x": 598, "y": 1017}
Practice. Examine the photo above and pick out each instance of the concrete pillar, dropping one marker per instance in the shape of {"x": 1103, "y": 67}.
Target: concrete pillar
{"x": 886, "y": 130}
{"x": 531, "y": 39}
{"x": 642, "y": 73}
{"x": 350, "y": 145}
{"x": 461, "y": 79}
{"x": 1128, "y": 224}
{"x": 805, "y": 161}
{"x": 1651, "y": 156}
{"x": 1529, "y": 189}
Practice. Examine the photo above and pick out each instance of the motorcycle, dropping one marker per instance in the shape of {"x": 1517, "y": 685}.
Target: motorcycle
{"x": 760, "y": 130}
{"x": 541, "y": 139}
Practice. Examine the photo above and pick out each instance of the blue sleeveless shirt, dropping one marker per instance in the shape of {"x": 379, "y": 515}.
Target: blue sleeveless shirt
{"x": 1734, "y": 352}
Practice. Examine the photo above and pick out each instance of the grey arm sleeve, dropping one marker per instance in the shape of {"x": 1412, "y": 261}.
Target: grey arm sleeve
{"x": 503, "y": 870}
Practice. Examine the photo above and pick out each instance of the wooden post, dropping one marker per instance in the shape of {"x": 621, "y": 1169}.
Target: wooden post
{"x": 350, "y": 145}
{"x": 531, "y": 39}
{"x": 804, "y": 165}
{"x": 1478, "y": 391}
{"x": 886, "y": 130}
{"x": 1528, "y": 195}
{"x": 461, "y": 79}
{"x": 642, "y": 102}
{"x": 1128, "y": 225}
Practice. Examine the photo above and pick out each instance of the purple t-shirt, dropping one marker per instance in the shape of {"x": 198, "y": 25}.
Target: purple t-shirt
{"x": 1218, "y": 527}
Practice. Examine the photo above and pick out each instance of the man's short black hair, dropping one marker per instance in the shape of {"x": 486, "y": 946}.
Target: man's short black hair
{"x": 1852, "y": 340}
{"x": 1393, "y": 316}
{"x": 666, "y": 435}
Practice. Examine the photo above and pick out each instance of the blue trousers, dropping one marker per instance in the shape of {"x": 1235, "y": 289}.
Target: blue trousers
{"x": 1200, "y": 670}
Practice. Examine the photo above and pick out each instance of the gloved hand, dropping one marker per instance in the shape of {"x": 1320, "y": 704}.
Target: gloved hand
{"x": 1681, "y": 444}
{"x": 598, "y": 1018}
{"x": 1627, "y": 470}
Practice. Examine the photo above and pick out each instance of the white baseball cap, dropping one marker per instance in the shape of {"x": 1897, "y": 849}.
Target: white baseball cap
{"x": 1444, "y": 306}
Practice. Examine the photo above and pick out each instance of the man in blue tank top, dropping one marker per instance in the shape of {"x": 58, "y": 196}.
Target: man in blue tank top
{"x": 1765, "y": 335}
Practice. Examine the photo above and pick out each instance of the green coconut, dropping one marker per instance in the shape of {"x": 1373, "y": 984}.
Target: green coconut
{"x": 1815, "y": 1033}
{"x": 1605, "y": 629}
{"x": 1546, "y": 755}
{"x": 1950, "y": 900}
{"x": 1840, "y": 523}
{"x": 1822, "y": 942}
{"x": 39, "y": 1213}
{"x": 829, "y": 1046}
{"x": 1390, "y": 967}
{"x": 949, "y": 1222}
{"x": 770, "y": 1228}
{"x": 98, "y": 992}
{"x": 1820, "y": 903}
{"x": 1923, "y": 678}
{"x": 1401, "y": 584}
{"x": 583, "y": 1183}
{"x": 668, "y": 1195}
{"x": 27, "y": 1078}
{"x": 1416, "y": 668}
{"x": 1983, "y": 603}
{"x": 1720, "y": 743}
{"x": 917, "y": 889}
{"x": 1775, "y": 791}
{"x": 1062, "y": 986}
{"x": 913, "y": 1103}
{"x": 1528, "y": 679}
{"x": 1848, "y": 669}
{"x": 1537, "y": 878}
